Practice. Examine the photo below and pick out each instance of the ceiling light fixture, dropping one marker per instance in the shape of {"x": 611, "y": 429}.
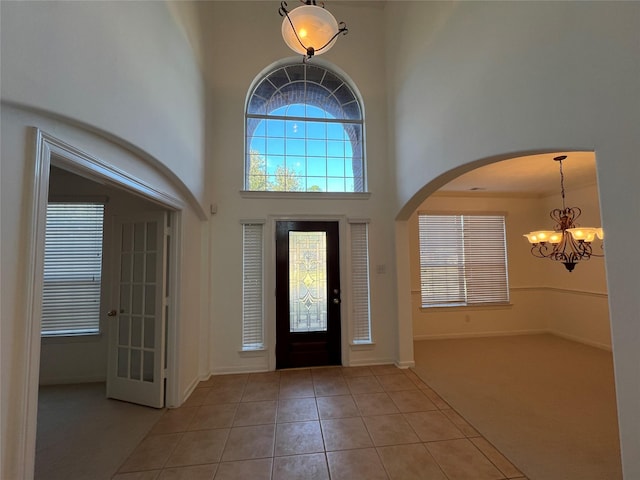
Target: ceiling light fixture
{"x": 567, "y": 242}
{"x": 310, "y": 29}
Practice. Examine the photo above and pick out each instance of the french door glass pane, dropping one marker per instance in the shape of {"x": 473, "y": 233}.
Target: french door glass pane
{"x": 307, "y": 281}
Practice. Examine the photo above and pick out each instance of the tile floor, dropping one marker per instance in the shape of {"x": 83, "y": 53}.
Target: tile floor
{"x": 337, "y": 423}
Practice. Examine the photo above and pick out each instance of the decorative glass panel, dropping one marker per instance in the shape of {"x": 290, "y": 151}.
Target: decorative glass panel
{"x": 308, "y": 281}
{"x": 123, "y": 362}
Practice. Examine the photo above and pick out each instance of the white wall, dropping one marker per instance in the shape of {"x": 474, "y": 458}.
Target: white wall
{"x": 124, "y": 68}
{"x": 234, "y": 60}
{"x": 482, "y": 81}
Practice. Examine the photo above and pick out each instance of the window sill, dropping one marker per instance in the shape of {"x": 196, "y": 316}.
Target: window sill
{"x": 253, "y": 352}
{"x": 362, "y": 346}
{"x": 307, "y": 195}
{"x": 61, "y": 339}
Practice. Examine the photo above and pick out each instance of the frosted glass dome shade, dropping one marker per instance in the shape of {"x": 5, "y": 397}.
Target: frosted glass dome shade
{"x": 315, "y": 27}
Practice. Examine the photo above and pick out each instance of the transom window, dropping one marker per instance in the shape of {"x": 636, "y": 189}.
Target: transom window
{"x": 304, "y": 133}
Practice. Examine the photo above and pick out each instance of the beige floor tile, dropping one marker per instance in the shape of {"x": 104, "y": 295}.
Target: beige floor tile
{"x": 264, "y": 377}
{"x": 196, "y": 472}
{"x": 461, "y": 460}
{"x": 361, "y": 464}
{"x": 345, "y": 433}
{"x": 337, "y": 407}
{"x": 233, "y": 380}
{"x": 301, "y": 467}
{"x": 410, "y": 462}
{"x": 214, "y": 416}
{"x": 433, "y": 426}
{"x": 411, "y": 375}
{"x": 326, "y": 372}
{"x": 297, "y": 410}
{"x": 386, "y": 370}
{"x": 394, "y": 383}
{"x": 257, "y": 391}
{"x": 152, "y": 452}
{"x": 390, "y": 430}
{"x": 499, "y": 460}
{"x": 330, "y": 386}
{"x": 197, "y": 397}
{"x": 201, "y": 446}
{"x": 148, "y": 475}
{"x": 255, "y": 413}
{"x": 356, "y": 372}
{"x": 296, "y": 386}
{"x": 224, "y": 394}
{"x": 364, "y": 385}
{"x": 435, "y": 398}
{"x": 460, "y": 422}
{"x": 412, "y": 401}
{"x": 174, "y": 420}
{"x": 259, "y": 469}
{"x": 375, "y": 404}
{"x": 298, "y": 438}
{"x": 245, "y": 443}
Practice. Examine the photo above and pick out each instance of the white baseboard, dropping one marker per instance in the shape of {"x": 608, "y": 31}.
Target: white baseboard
{"x": 454, "y": 336}
{"x": 585, "y": 341}
{"x": 72, "y": 380}
{"x": 239, "y": 369}
{"x": 405, "y": 364}
{"x": 368, "y": 362}
{"x": 450, "y": 336}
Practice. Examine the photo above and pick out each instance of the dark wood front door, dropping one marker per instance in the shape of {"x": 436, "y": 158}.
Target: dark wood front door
{"x": 307, "y": 294}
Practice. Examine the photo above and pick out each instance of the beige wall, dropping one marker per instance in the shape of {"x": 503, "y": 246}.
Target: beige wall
{"x": 234, "y": 60}
{"x": 544, "y": 296}
{"x": 475, "y": 82}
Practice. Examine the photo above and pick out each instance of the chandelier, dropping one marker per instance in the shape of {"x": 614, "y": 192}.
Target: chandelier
{"x": 310, "y": 29}
{"x": 567, "y": 242}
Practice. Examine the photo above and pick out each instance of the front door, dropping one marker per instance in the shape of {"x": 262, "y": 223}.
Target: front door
{"x": 307, "y": 294}
{"x": 138, "y": 311}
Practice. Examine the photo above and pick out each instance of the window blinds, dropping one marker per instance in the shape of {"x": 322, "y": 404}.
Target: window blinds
{"x": 252, "y": 304}
{"x": 463, "y": 260}
{"x": 360, "y": 283}
{"x": 72, "y": 269}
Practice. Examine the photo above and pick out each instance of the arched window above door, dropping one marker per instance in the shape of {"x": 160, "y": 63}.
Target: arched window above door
{"x": 304, "y": 132}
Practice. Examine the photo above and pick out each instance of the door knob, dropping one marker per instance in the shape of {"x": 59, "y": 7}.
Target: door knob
{"x": 112, "y": 313}
{"x": 336, "y": 301}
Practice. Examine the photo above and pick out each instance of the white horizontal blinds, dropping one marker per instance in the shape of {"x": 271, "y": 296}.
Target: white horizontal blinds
{"x": 360, "y": 283}
{"x": 441, "y": 260}
{"x": 485, "y": 259}
{"x": 252, "y": 304}
{"x": 463, "y": 260}
{"x": 72, "y": 269}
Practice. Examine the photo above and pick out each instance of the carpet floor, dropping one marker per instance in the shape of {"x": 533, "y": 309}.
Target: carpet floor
{"x": 548, "y": 404}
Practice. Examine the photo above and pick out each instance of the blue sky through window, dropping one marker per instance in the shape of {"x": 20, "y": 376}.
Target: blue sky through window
{"x": 318, "y": 152}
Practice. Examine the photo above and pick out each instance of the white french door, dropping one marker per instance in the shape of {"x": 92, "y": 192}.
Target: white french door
{"x": 138, "y": 310}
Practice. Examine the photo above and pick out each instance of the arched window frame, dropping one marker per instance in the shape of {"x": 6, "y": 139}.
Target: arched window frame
{"x": 318, "y": 85}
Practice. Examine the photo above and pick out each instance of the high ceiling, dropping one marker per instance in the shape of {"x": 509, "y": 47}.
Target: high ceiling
{"x": 536, "y": 175}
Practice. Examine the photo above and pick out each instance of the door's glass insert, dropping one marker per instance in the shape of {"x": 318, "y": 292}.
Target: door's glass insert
{"x": 123, "y": 362}
{"x": 148, "y": 366}
{"x": 307, "y": 281}
{"x": 136, "y": 360}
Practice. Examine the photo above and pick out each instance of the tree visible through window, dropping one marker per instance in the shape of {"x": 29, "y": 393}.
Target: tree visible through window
{"x": 463, "y": 260}
{"x": 304, "y": 133}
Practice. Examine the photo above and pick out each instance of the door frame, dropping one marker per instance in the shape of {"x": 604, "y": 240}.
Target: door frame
{"x": 270, "y": 279}
{"x": 48, "y": 151}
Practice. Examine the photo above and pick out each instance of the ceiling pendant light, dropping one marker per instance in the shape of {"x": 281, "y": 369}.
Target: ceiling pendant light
{"x": 567, "y": 242}
{"x": 310, "y": 29}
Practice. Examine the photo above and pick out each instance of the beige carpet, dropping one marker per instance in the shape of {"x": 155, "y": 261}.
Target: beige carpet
{"x": 546, "y": 403}
{"x": 82, "y": 435}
